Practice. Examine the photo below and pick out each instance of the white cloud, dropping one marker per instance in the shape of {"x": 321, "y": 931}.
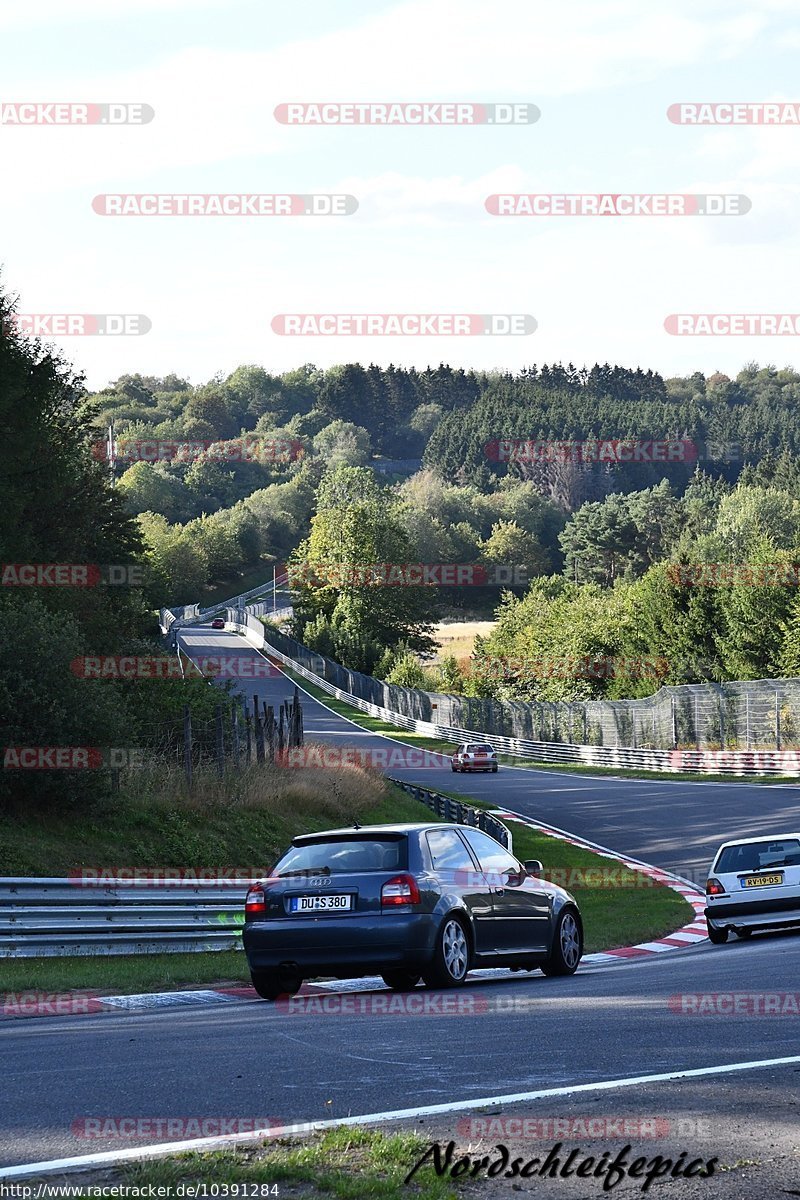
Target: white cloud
{"x": 214, "y": 106}
{"x": 14, "y": 15}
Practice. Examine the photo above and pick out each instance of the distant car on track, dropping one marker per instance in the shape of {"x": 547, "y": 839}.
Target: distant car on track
{"x": 474, "y": 756}
{"x": 754, "y": 884}
{"x": 405, "y": 902}
{"x": 218, "y": 623}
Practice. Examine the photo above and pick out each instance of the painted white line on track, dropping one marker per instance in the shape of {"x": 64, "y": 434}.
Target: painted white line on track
{"x": 110, "y": 1157}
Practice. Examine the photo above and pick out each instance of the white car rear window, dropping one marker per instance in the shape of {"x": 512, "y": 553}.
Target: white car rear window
{"x": 755, "y": 856}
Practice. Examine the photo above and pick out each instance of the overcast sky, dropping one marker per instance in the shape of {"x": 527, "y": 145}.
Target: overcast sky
{"x": 603, "y": 75}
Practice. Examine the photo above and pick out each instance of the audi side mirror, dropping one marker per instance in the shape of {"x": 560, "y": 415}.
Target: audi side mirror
{"x": 533, "y": 866}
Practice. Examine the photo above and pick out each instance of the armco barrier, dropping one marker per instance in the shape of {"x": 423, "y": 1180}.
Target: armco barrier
{"x": 458, "y": 813}
{"x": 48, "y": 917}
{"x": 176, "y": 616}
{"x": 260, "y": 594}
{"x": 722, "y": 762}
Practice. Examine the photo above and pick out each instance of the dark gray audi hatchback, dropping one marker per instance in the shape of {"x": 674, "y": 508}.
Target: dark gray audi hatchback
{"x": 406, "y": 902}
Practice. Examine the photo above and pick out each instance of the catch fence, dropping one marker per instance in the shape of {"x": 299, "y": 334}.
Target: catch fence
{"x": 761, "y": 714}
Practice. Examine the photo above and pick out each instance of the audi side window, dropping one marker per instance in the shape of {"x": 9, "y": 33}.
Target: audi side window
{"x": 448, "y": 852}
{"x": 491, "y": 856}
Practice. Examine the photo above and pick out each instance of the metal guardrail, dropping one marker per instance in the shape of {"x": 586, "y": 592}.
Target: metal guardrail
{"x": 255, "y": 595}
{"x": 458, "y": 813}
{"x": 190, "y": 614}
{"x": 48, "y": 917}
{"x": 261, "y": 608}
{"x": 176, "y": 616}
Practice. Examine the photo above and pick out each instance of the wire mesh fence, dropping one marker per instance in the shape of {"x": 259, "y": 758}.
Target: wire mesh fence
{"x": 239, "y": 734}
{"x": 752, "y": 715}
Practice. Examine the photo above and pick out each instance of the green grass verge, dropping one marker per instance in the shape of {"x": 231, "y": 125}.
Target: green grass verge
{"x": 346, "y": 1164}
{"x": 139, "y": 833}
{"x": 123, "y": 973}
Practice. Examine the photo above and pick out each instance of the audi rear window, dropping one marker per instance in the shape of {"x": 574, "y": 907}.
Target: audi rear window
{"x": 338, "y": 856}
{"x": 756, "y": 856}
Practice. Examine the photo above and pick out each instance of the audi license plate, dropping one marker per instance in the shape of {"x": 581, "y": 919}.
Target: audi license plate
{"x": 751, "y": 881}
{"x": 305, "y": 904}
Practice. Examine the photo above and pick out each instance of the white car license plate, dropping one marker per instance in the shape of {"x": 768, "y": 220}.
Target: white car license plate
{"x": 304, "y": 904}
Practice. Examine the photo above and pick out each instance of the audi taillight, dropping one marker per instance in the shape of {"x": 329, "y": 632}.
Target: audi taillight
{"x": 400, "y": 889}
{"x": 714, "y": 888}
{"x": 255, "y": 903}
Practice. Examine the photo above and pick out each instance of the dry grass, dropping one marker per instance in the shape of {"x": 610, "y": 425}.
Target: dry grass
{"x": 154, "y": 821}
{"x": 341, "y": 791}
{"x": 458, "y": 637}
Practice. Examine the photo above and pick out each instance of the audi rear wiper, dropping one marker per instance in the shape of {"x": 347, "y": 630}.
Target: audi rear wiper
{"x": 306, "y": 871}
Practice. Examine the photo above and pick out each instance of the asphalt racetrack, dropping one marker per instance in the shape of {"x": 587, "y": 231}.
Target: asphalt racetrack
{"x": 703, "y": 1010}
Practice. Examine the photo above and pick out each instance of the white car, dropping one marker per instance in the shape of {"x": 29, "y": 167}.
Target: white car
{"x": 474, "y": 756}
{"x": 754, "y": 884}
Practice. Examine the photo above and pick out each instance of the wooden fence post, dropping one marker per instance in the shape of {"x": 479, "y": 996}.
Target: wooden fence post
{"x": 220, "y": 738}
{"x": 270, "y": 733}
{"x": 237, "y": 759}
{"x": 259, "y": 731}
{"x": 249, "y": 746}
{"x": 187, "y": 744}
